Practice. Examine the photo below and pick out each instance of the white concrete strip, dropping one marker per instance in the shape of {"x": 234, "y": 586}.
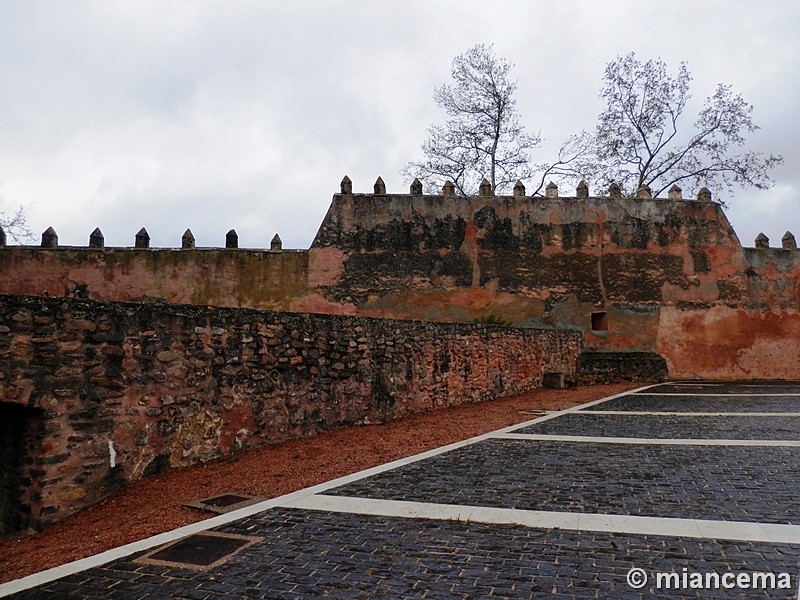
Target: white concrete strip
{"x": 536, "y": 437}
{"x": 675, "y": 413}
{"x": 574, "y": 409}
{"x": 697, "y": 384}
{"x": 731, "y": 395}
{"x": 386, "y": 508}
{"x": 105, "y": 557}
{"x": 695, "y": 528}
{"x": 755, "y": 383}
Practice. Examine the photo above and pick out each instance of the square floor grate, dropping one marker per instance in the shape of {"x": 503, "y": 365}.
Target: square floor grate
{"x": 198, "y": 552}
{"x": 224, "y": 503}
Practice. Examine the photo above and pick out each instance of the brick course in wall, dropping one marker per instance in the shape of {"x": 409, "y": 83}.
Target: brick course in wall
{"x": 114, "y": 391}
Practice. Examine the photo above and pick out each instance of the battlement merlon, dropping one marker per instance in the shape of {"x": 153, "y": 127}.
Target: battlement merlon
{"x": 355, "y": 221}
{"x": 379, "y": 208}
{"x": 551, "y": 190}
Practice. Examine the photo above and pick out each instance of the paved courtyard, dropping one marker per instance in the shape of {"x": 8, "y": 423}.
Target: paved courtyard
{"x": 675, "y": 490}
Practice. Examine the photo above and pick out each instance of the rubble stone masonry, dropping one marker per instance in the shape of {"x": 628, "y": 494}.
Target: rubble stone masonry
{"x": 104, "y": 392}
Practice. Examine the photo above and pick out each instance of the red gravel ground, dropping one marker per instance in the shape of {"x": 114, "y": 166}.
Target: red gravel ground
{"x": 155, "y": 504}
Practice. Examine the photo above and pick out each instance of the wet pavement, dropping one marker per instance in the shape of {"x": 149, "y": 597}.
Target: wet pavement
{"x": 693, "y": 487}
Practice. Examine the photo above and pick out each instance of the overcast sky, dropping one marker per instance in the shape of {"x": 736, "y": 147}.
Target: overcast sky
{"x": 236, "y": 114}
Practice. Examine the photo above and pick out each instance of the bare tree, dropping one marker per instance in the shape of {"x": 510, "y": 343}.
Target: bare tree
{"x": 16, "y": 225}
{"x": 573, "y": 158}
{"x": 483, "y": 137}
{"x": 638, "y": 141}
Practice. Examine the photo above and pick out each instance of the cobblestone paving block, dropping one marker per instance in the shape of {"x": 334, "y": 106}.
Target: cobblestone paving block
{"x": 670, "y": 427}
{"x": 724, "y": 388}
{"x": 668, "y": 403}
{"x": 707, "y": 482}
{"x": 316, "y": 554}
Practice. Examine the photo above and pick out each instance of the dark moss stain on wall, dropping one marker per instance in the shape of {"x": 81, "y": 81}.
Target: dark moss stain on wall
{"x": 575, "y": 236}
{"x": 632, "y": 232}
{"x": 640, "y": 277}
{"x": 561, "y": 275}
{"x": 701, "y": 262}
{"x": 381, "y": 273}
{"x": 495, "y": 233}
{"x": 534, "y": 235}
{"x": 411, "y": 233}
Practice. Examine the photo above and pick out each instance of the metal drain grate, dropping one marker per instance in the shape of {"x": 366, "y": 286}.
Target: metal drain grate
{"x": 223, "y": 503}
{"x": 198, "y": 552}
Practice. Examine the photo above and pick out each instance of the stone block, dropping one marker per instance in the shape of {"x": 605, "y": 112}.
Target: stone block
{"x": 553, "y": 381}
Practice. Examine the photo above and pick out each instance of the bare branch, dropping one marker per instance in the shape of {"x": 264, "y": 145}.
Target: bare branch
{"x": 483, "y": 136}
{"x": 16, "y": 225}
{"x": 637, "y": 139}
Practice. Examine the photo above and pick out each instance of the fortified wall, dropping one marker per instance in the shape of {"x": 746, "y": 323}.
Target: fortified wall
{"x": 93, "y": 394}
{"x": 664, "y": 275}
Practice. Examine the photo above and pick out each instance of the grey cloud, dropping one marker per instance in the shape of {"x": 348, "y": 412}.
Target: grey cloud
{"x": 247, "y": 114}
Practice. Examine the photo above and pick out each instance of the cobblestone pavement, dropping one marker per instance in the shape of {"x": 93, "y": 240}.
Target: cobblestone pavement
{"x": 671, "y": 427}
{"x": 359, "y": 556}
{"x": 734, "y": 388}
{"x": 728, "y": 403}
{"x": 698, "y": 482}
{"x": 722, "y": 509}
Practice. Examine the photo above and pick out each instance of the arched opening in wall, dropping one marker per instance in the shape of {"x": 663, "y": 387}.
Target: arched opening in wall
{"x": 19, "y": 426}
{"x": 599, "y": 321}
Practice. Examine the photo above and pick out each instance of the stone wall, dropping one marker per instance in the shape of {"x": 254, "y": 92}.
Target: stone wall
{"x": 108, "y": 392}
{"x": 606, "y": 367}
{"x": 263, "y": 279}
{"x": 664, "y": 275}
{"x": 660, "y": 275}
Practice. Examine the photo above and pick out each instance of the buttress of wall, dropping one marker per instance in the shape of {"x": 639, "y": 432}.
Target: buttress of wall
{"x": 167, "y": 385}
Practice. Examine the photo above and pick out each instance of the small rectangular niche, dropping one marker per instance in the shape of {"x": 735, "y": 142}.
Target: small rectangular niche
{"x": 599, "y": 321}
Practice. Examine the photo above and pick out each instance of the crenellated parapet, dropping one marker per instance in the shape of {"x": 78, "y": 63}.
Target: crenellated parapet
{"x": 551, "y": 211}
{"x": 580, "y": 207}
{"x": 788, "y": 242}
{"x": 49, "y": 240}
{"x": 445, "y": 196}
{"x": 551, "y": 191}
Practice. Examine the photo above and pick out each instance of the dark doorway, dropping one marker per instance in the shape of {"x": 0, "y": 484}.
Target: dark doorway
{"x": 17, "y": 426}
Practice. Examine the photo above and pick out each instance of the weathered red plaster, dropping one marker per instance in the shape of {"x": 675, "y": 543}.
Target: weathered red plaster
{"x": 740, "y": 343}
